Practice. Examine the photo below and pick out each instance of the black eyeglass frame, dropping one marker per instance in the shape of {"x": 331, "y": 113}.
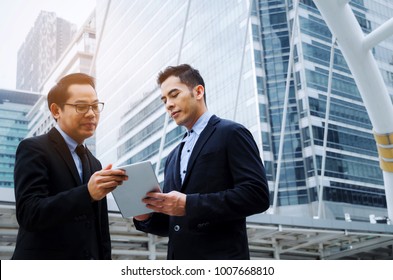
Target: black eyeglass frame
{"x": 82, "y": 108}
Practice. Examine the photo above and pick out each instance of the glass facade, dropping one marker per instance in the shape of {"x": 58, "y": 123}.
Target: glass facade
{"x": 242, "y": 49}
{"x": 352, "y": 174}
{"x": 14, "y": 105}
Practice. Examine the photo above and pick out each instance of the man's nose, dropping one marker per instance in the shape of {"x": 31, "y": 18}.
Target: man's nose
{"x": 90, "y": 112}
{"x": 169, "y": 104}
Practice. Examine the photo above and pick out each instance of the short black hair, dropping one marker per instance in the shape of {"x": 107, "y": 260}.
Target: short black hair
{"x": 187, "y": 75}
{"x": 59, "y": 93}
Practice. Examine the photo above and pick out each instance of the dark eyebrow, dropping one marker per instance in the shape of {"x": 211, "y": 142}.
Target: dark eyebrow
{"x": 172, "y": 91}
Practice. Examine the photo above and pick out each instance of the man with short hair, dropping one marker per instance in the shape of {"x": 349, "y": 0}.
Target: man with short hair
{"x": 60, "y": 187}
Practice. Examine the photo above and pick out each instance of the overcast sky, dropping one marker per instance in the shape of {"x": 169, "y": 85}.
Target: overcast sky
{"x": 17, "y": 17}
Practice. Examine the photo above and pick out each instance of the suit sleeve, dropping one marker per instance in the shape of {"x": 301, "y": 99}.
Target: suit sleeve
{"x": 249, "y": 193}
{"x": 157, "y": 224}
{"x": 39, "y": 202}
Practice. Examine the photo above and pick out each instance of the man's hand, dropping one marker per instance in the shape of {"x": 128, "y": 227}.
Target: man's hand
{"x": 104, "y": 181}
{"x": 142, "y": 217}
{"x": 172, "y": 204}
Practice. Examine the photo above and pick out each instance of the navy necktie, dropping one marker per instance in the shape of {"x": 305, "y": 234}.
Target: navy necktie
{"x": 186, "y": 153}
{"x": 86, "y": 172}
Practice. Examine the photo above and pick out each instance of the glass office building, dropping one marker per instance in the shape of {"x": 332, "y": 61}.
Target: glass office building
{"x": 243, "y": 49}
{"x": 14, "y": 106}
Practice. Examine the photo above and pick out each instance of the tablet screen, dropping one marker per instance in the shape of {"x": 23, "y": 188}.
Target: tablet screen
{"x": 129, "y": 195}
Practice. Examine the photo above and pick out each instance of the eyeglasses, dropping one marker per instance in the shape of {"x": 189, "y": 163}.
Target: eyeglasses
{"x": 84, "y": 108}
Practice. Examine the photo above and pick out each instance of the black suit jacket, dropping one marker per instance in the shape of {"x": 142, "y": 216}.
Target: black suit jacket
{"x": 56, "y": 217}
{"x": 225, "y": 182}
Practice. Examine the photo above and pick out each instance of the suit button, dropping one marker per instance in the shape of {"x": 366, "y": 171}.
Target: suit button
{"x": 176, "y": 228}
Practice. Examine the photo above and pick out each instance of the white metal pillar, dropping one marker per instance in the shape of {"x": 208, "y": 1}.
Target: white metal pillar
{"x": 355, "y": 47}
{"x": 326, "y": 128}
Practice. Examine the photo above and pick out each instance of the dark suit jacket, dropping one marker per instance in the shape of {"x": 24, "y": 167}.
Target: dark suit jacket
{"x": 225, "y": 182}
{"x": 56, "y": 217}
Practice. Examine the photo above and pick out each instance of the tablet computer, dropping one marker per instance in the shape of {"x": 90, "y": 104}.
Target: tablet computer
{"x": 129, "y": 195}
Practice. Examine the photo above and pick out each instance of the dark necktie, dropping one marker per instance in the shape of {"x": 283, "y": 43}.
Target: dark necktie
{"x": 178, "y": 168}
{"x": 86, "y": 173}
{"x": 186, "y": 152}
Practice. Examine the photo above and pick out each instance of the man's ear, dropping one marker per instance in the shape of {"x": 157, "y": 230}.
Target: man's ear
{"x": 55, "y": 110}
{"x": 200, "y": 91}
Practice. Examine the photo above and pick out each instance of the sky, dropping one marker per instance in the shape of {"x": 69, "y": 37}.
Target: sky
{"x": 17, "y": 17}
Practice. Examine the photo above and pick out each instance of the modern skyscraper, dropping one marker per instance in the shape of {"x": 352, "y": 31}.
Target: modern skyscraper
{"x": 14, "y": 106}
{"x": 245, "y": 50}
{"x": 42, "y": 47}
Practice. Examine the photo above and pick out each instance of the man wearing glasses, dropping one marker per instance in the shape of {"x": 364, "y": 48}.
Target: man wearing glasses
{"x": 60, "y": 187}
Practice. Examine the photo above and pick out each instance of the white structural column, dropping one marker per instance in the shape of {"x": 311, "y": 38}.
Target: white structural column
{"x": 326, "y": 128}
{"x": 341, "y": 21}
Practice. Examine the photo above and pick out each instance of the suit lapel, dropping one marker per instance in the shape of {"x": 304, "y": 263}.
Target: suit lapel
{"x": 62, "y": 148}
{"x": 205, "y": 135}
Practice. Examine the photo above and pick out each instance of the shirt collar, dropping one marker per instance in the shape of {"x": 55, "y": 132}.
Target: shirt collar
{"x": 71, "y": 143}
{"x": 201, "y": 123}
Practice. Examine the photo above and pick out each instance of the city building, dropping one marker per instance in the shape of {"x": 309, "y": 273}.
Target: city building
{"x": 43, "y": 46}
{"x": 14, "y": 106}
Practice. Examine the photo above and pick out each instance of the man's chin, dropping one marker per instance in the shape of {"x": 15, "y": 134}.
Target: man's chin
{"x": 88, "y": 133}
